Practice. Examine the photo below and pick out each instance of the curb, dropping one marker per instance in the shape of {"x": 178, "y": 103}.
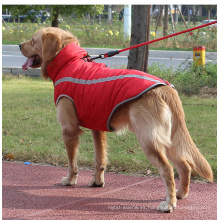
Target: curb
{"x": 19, "y": 71}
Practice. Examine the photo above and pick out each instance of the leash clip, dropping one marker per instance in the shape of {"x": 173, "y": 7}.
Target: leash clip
{"x": 102, "y": 56}
{"x": 88, "y": 58}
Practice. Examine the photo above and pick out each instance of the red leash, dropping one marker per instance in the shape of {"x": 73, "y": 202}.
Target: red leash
{"x": 112, "y": 53}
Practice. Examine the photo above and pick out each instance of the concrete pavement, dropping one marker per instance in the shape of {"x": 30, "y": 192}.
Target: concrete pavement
{"x": 35, "y": 192}
{"x": 152, "y": 53}
{"x": 12, "y": 59}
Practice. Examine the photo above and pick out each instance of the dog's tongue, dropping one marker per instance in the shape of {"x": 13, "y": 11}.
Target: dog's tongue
{"x": 28, "y": 63}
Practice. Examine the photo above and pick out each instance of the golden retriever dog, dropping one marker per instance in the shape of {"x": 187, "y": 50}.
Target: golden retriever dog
{"x": 156, "y": 117}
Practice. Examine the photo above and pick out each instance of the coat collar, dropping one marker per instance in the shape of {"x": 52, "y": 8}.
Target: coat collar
{"x": 69, "y": 53}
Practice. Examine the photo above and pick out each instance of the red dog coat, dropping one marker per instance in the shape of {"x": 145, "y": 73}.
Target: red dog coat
{"x": 95, "y": 89}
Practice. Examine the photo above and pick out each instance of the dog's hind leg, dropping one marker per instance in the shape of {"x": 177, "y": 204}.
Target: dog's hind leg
{"x": 184, "y": 171}
{"x": 150, "y": 120}
{"x": 183, "y": 153}
{"x": 66, "y": 115}
{"x": 159, "y": 159}
{"x": 100, "y": 146}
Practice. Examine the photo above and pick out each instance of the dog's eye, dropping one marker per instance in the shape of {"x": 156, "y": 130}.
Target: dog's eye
{"x": 32, "y": 42}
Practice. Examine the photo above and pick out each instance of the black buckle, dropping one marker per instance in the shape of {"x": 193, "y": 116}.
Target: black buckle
{"x": 87, "y": 58}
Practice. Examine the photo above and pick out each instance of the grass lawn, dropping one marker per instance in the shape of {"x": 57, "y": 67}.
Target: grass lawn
{"x": 31, "y": 131}
{"x": 106, "y": 35}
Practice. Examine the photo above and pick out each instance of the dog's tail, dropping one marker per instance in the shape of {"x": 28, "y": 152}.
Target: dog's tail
{"x": 182, "y": 143}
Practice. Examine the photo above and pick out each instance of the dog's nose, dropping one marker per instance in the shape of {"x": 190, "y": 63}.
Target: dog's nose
{"x": 20, "y": 45}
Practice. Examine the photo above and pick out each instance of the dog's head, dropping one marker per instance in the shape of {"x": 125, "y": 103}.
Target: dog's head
{"x": 44, "y": 46}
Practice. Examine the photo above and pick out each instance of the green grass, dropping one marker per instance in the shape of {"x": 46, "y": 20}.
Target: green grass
{"x": 31, "y": 131}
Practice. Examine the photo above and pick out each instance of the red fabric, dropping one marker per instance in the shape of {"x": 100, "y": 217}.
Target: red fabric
{"x": 95, "y": 89}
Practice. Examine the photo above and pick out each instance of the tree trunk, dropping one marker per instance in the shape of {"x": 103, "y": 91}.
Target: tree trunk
{"x": 55, "y": 22}
{"x": 183, "y": 19}
{"x": 154, "y": 11}
{"x": 146, "y": 51}
{"x": 88, "y": 17}
{"x": 176, "y": 16}
{"x": 100, "y": 18}
{"x": 4, "y": 23}
{"x": 188, "y": 14}
{"x": 194, "y": 14}
{"x": 166, "y": 21}
{"x": 209, "y": 12}
{"x": 160, "y": 18}
{"x": 173, "y": 26}
{"x": 109, "y": 14}
{"x": 137, "y": 56}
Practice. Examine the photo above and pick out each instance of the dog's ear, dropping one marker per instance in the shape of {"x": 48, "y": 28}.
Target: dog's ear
{"x": 51, "y": 45}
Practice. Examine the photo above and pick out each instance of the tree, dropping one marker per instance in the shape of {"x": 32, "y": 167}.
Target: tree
{"x": 166, "y": 21}
{"x": 17, "y": 10}
{"x": 160, "y": 18}
{"x": 117, "y": 9}
{"x": 195, "y": 9}
{"x": 109, "y": 14}
{"x": 209, "y": 8}
{"x": 56, "y": 10}
{"x": 55, "y": 16}
{"x": 188, "y": 8}
{"x": 138, "y": 57}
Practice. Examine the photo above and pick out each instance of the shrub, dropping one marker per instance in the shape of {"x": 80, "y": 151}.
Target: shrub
{"x": 190, "y": 79}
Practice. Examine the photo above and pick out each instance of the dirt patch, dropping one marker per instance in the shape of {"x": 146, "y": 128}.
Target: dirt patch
{"x": 206, "y": 92}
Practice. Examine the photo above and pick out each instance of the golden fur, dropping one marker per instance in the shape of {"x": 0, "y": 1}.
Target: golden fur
{"x": 157, "y": 118}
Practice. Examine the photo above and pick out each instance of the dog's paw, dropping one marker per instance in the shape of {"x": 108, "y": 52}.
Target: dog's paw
{"x": 67, "y": 182}
{"x": 181, "y": 194}
{"x": 166, "y": 207}
{"x": 94, "y": 183}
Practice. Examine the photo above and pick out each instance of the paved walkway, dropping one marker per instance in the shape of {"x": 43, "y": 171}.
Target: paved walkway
{"x": 35, "y": 192}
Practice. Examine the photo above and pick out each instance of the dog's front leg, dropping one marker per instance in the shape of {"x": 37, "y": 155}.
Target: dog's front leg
{"x": 66, "y": 115}
{"x": 100, "y": 145}
{"x": 71, "y": 143}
